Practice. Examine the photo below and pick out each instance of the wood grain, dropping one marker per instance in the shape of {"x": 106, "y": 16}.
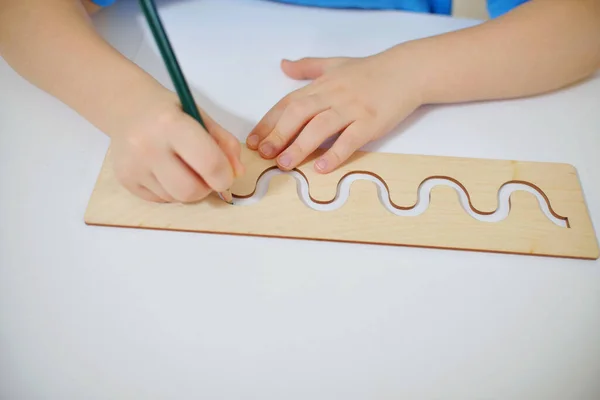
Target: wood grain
{"x": 362, "y": 219}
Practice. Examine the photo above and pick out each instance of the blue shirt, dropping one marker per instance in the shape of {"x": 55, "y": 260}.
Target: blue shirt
{"x": 495, "y": 7}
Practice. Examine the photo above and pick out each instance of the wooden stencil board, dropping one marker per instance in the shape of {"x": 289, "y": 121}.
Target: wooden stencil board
{"x": 363, "y": 219}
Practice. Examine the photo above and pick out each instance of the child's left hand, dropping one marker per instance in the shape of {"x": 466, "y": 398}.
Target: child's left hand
{"x": 361, "y": 98}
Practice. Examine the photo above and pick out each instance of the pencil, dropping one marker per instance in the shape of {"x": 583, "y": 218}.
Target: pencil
{"x": 179, "y": 81}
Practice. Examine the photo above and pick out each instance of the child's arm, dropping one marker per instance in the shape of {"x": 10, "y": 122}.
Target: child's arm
{"x": 90, "y": 6}
{"x": 161, "y": 153}
{"x": 540, "y": 46}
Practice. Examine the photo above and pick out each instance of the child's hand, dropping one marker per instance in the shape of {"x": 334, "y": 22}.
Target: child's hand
{"x": 164, "y": 155}
{"x": 363, "y": 98}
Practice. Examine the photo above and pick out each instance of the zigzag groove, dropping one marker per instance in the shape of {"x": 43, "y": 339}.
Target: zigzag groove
{"x": 423, "y": 200}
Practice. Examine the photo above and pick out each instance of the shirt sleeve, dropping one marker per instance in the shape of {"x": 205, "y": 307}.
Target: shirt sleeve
{"x": 103, "y": 3}
{"x": 497, "y": 8}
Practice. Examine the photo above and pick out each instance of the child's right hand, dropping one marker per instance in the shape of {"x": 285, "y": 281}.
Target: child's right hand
{"x": 161, "y": 154}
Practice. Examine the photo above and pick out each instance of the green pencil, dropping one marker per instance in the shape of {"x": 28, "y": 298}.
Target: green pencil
{"x": 179, "y": 81}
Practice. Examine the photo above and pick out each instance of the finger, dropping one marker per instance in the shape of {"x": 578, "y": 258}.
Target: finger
{"x": 232, "y": 149}
{"x": 202, "y": 154}
{"x": 320, "y": 128}
{"x": 353, "y": 138}
{"x": 228, "y": 143}
{"x": 269, "y": 120}
{"x": 142, "y": 192}
{"x": 182, "y": 184}
{"x": 293, "y": 119}
{"x": 152, "y": 184}
{"x": 127, "y": 177}
{"x": 310, "y": 67}
{"x": 147, "y": 194}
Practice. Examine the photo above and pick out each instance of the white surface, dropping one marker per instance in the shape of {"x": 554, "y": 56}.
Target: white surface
{"x": 103, "y": 313}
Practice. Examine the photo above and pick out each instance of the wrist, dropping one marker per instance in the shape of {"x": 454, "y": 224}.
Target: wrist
{"x": 128, "y": 100}
{"x": 417, "y": 68}
{"x": 409, "y": 80}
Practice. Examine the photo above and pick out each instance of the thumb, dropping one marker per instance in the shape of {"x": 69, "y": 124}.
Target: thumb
{"x": 310, "y": 67}
{"x": 228, "y": 143}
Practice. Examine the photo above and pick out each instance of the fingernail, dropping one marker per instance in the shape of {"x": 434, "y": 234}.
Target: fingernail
{"x": 267, "y": 149}
{"x": 285, "y": 160}
{"x": 253, "y": 140}
{"x": 321, "y": 164}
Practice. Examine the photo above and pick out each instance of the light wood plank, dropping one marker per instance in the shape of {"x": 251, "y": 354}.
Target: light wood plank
{"x": 362, "y": 219}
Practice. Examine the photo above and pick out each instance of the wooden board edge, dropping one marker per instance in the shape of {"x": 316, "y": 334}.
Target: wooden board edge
{"x": 591, "y": 257}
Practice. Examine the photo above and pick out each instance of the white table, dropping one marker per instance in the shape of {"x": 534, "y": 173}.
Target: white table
{"x": 105, "y": 313}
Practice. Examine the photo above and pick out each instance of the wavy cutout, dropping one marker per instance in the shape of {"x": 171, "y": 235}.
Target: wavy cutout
{"x": 423, "y": 198}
